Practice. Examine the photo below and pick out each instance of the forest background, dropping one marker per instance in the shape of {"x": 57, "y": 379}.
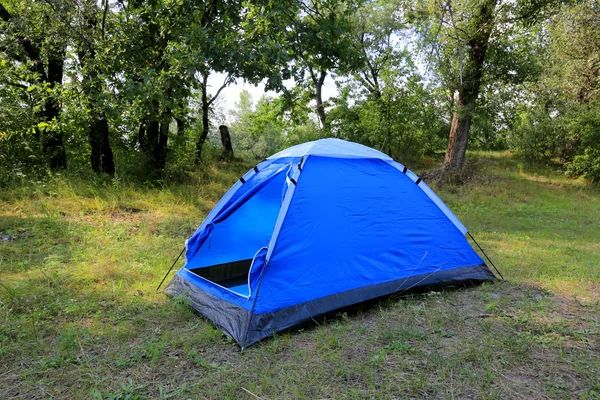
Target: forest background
{"x": 124, "y": 88}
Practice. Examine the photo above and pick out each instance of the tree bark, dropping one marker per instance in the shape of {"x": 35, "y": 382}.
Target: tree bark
{"x": 161, "y": 149}
{"x": 464, "y": 107}
{"x": 153, "y": 136}
{"x": 102, "y": 156}
{"x": 227, "y": 148}
{"x": 459, "y": 137}
{"x": 152, "y": 132}
{"x": 318, "y": 82}
{"x": 205, "y": 120}
{"x": 102, "y": 159}
{"x": 180, "y": 129}
{"x": 53, "y": 141}
{"x": 141, "y": 136}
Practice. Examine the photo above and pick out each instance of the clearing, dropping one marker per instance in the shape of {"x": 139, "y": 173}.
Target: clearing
{"x": 79, "y": 316}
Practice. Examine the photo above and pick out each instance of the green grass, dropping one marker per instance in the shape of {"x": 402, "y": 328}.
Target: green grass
{"x": 79, "y": 316}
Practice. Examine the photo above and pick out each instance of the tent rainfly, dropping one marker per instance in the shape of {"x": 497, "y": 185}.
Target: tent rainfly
{"x": 314, "y": 228}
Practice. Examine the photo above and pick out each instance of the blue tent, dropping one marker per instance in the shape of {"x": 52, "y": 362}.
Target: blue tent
{"x": 314, "y": 228}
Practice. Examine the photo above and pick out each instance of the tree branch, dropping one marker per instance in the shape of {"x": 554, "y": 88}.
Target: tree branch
{"x": 4, "y": 14}
{"x": 223, "y": 86}
{"x": 365, "y": 83}
{"x": 104, "y": 17}
{"x": 312, "y": 75}
{"x": 374, "y": 73}
{"x": 322, "y": 77}
{"x": 19, "y": 85}
{"x": 460, "y": 59}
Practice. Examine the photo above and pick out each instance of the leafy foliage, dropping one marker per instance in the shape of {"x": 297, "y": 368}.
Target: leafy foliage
{"x": 123, "y": 86}
{"x": 558, "y": 119}
{"x": 269, "y": 126}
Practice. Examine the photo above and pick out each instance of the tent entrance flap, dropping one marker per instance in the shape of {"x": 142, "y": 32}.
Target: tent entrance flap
{"x": 241, "y": 233}
{"x": 232, "y": 275}
{"x": 226, "y": 254}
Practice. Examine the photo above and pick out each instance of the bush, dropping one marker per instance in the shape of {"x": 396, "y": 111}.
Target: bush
{"x": 535, "y": 135}
{"x": 20, "y": 159}
{"x": 586, "y": 165}
{"x": 569, "y": 135}
{"x": 584, "y": 125}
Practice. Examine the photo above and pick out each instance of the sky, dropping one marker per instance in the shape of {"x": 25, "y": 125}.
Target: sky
{"x": 231, "y": 94}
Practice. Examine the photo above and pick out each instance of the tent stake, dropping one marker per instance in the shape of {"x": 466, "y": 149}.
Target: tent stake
{"x": 486, "y": 256}
{"x": 170, "y": 269}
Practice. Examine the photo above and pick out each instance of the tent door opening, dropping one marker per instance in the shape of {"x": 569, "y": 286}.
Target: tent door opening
{"x": 233, "y": 275}
{"x": 226, "y": 256}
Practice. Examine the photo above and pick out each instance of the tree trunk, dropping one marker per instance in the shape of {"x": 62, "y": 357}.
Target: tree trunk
{"x": 161, "y": 149}
{"x": 205, "y": 120}
{"x": 459, "y": 137}
{"x": 180, "y": 129}
{"x": 102, "y": 156}
{"x": 152, "y": 131}
{"x": 141, "y": 136}
{"x": 318, "y": 82}
{"x": 227, "y": 149}
{"x": 52, "y": 142}
{"x": 52, "y": 137}
{"x": 153, "y": 138}
{"x": 464, "y": 107}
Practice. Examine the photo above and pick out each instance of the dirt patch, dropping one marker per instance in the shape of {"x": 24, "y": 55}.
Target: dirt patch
{"x": 472, "y": 173}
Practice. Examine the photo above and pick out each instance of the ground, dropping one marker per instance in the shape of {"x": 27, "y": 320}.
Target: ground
{"x": 80, "y": 317}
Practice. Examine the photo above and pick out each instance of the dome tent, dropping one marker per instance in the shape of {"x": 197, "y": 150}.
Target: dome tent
{"x": 314, "y": 228}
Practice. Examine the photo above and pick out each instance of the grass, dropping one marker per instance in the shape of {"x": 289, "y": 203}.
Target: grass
{"x": 79, "y": 316}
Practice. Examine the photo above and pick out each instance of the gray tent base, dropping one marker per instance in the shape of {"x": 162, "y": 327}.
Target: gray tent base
{"x": 247, "y": 329}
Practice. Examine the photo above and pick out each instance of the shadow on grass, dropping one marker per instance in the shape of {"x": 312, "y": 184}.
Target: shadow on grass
{"x": 37, "y": 242}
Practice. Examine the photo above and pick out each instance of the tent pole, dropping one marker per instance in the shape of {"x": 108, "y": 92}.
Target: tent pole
{"x": 484, "y": 253}
{"x": 170, "y": 269}
{"x": 243, "y": 346}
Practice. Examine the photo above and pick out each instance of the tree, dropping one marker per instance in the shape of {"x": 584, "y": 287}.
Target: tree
{"x": 575, "y": 52}
{"x": 482, "y": 21}
{"x": 150, "y": 70}
{"x": 37, "y": 59}
{"x": 384, "y": 62}
{"x": 226, "y": 147}
{"x": 573, "y": 77}
{"x": 241, "y": 122}
{"x": 320, "y": 42}
{"x": 242, "y": 40}
{"x": 90, "y": 37}
{"x": 475, "y": 43}
{"x": 206, "y": 103}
